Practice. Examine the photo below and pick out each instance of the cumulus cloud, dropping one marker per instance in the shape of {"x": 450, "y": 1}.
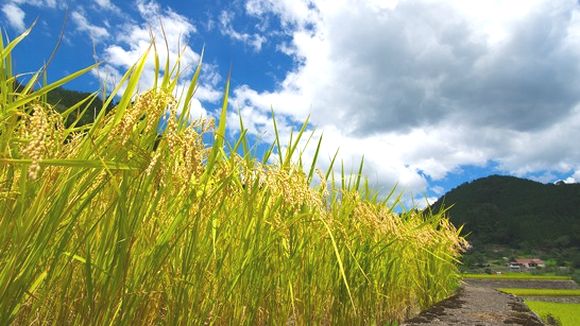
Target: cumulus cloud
{"x": 291, "y": 13}
{"x": 438, "y": 190}
{"x": 97, "y": 33}
{"x": 164, "y": 26}
{"x": 576, "y": 175}
{"x": 169, "y": 32}
{"x": 423, "y": 87}
{"x": 226, "y": 29}
{"x": 37, "y": 3}
{"x": 419, "y": 87}
{"x": 574, "y": 178}
{"x": 15, "y": 16}
{"x": 107, "y": 5}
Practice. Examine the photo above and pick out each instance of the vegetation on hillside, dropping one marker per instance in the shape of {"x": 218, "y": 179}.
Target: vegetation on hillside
{"x": 516, "y": 212}
{"x": 113, "y": 223}
{"x": 62, "y": 99}
{"x": 507, "y": 217}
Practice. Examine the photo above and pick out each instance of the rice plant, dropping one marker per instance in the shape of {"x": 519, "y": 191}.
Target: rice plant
{"x": 116, "y": 222}
{"x": 556, "y": 313}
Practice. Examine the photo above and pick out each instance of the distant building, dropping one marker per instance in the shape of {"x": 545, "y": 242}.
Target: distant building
{"x": 515, "y": 266}
{"x": 526, "y": 263}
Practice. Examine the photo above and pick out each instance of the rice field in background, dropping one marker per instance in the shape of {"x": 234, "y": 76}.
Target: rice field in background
{"x": 117, "y": 223}
{"x": 516, "y": 276}
{"x": 568, "y": 314}
{"x": 542, "y": 294}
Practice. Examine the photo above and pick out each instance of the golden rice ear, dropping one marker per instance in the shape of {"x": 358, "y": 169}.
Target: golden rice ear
{"x": 123, "y": 224}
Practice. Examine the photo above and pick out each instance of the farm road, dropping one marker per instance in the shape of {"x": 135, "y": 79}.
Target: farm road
{"x": 477, "y": 306}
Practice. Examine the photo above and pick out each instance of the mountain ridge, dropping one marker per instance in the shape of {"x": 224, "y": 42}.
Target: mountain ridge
{"x": 515, "y": 212}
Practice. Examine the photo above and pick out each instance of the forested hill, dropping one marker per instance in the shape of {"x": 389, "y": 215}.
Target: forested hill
{"x": 62, "y": 99}
{"x": 516, "y": 212}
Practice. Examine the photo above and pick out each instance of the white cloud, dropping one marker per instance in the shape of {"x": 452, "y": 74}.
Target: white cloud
{"x": 422, "y": 87}
{"x": 107, "y": 5}
{"x": 208, "y": 93}
{"x": 37, "y": 3}
{"x": 438, "y": 190}
{"x": 546, "y": 177}
{"x": 226, "y": 29}
{"x": 170, "y": 32}
{"x": 134, "y": 39}
{"x": 291, "y": 12}
{"x": 570, "y": 180}
{"x": 96, "y": 33}
{"x": 15, "y": 16}
{"x": 423, "y": 202}
{"x": 576, "y": 175}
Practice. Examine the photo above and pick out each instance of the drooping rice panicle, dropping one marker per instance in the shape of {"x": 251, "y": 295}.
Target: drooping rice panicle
{"x": 117, "y": 223}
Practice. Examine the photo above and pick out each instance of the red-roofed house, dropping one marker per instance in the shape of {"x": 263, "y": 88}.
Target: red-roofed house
{"x": 527, "y": 263}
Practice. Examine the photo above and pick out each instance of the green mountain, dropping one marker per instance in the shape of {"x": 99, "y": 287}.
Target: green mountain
{"x": 516, "y": 213}
{"x": 62, "y": 99}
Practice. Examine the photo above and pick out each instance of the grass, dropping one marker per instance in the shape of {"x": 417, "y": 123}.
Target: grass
{"x": 542, "y": 292}
{"x": 116, "y": 223}
{"x": 516, "y": 276}
{"x": 567, "y": 313}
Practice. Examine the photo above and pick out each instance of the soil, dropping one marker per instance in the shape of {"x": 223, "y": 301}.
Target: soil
{"x": 477, "y": 306}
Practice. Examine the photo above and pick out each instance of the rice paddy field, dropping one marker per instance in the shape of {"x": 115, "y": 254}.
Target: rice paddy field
{"x": 568, "y": 314}
{"x": 117, "y": 222}
{"x": 554, "y": 299}
{"x": 516, "y": 276}
{"x": 551, "y": 304}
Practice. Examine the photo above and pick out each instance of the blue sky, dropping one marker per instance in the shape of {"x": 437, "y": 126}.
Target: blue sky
{"x": 432, "y": 93}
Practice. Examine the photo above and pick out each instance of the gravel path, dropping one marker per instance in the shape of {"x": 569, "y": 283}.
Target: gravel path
{"x": 477, "y": 306}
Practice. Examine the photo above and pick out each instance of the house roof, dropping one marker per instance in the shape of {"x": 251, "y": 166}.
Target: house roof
{"x": 528, "y": 261}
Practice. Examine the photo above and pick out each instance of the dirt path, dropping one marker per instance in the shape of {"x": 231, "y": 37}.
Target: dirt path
{"x": 478, "y": 306}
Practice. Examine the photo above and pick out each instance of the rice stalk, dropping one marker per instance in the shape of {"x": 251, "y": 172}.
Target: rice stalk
{"x": 117, "y": 223}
